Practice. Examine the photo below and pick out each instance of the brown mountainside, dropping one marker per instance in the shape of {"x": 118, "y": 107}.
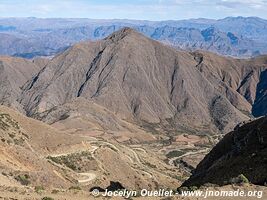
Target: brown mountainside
{"x": 143, "y": 80}
{"x": 33, "y": 153}
{"x": 24, "y": 145}
{"x": 14, "y": 73}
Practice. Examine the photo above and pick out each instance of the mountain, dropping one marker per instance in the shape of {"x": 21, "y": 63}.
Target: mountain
{"x": 14, "y": 73}
{"x": 211, "y": 39}
{"x": 232, "y": 36}
{"x": 241, "y": 152}
{"x": 249, "y": 27}
{"x": 11, "y": 44}
{"x": 142, "y": 80}
{"x": 7, "y": 28}
{"x": 27, "y": 47}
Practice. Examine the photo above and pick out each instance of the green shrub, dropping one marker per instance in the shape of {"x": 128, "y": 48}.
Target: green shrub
{"x": 180, "y": 189}
{"x": 150, "y": 165}
{"x": 243, "y": 179}
{"x": 175, "y": 153}
{"x": 178, "y": 177}
{"x": 193, "y": 188}
{"x": 39, "y": 189}
{"x": 47, "y": 198}
{"x": 75, "y": 188}
{"x": 73, "y": 161}
{"x": 23, "y": 179}
{"x": 54, "y": 159}
{"x": 240, "y": 179}
{"x": 55, "y": 191}
{"x": 4, "y": 174}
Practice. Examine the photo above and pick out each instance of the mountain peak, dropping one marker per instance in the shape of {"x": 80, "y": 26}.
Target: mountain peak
{"x": 122, "y": 33}
{"x": 143, "y": 77}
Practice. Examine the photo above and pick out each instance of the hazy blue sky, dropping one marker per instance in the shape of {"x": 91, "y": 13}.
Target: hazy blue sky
{"x": 137, "y": 9}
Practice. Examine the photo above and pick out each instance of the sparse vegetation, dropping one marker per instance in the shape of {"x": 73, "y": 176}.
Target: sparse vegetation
{"x": 13, "y": 190}
{"x": 180, "y": 178}
{"x": 19, "y": 141}
{"x": 180, "y": 189}
{"x": 240, "y": 179}
{"x": 64, "y": 116}
{"x": 55, "y": 191}
{"x": 13, "y": 134}
{"x": 150, "y": 165}
{"x": 175, "y": 153}
{"x": 190, "y": 188}
{"x": 6, "y": 122}
{"x": 193, "y": 188}
{"x": 47, "y": 198}
{"x": 3, "y": 124}
{"x": 4, "y": 174}
{"x": 150, "y": 127}
{"x": 75, "y": 187}
{"x": 39, "y": 189}
{"x": 23, "y": 179}
{"x": 25, "y": 135}
{"x": 75, "y": 161}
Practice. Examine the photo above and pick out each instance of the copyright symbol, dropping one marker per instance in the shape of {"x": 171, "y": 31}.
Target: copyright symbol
{"x": 95, "y": 192}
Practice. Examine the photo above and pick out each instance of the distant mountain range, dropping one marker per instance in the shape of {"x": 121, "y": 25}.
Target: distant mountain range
{"x": 231, "y": 36}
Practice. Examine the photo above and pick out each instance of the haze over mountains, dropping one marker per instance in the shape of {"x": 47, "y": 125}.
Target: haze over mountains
{"x": 234, "y": 36}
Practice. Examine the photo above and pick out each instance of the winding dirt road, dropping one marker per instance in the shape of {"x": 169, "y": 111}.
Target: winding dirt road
{"x": 188, "y": 154}
{"x": 90, "y": 177}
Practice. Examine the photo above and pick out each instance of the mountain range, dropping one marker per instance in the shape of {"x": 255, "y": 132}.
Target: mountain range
{"x": 142, "y": 81}
{"x": 130, "y": 110}
{"x": 232, "y": 36}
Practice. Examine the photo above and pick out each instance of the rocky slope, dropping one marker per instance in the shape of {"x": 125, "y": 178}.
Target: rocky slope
{"x": 14, "y": 73}
{"x": 35, "y": 154}
{"x": 24, "y": 144}
{"x": 143, "y": 80}
{"x": 242, "y": 151}
{"x": 85, "y": 117}
{"x": 260, "y": 108}
{"x": 236, "y": 75}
